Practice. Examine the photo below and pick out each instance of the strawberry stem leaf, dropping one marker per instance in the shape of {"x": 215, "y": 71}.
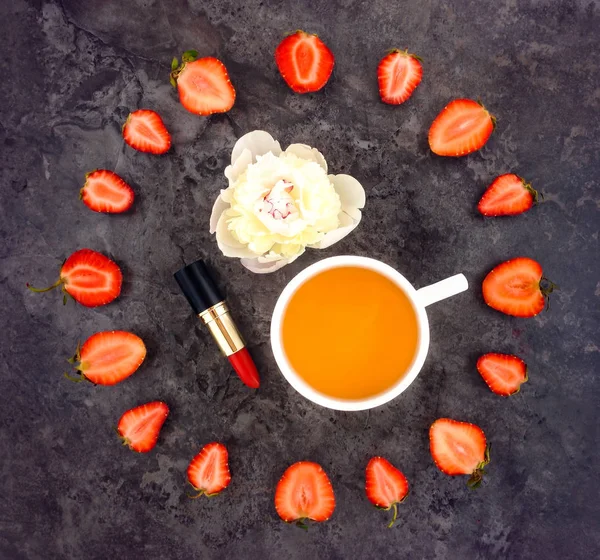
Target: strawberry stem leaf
{"x": 188, "y": 56}
{"x": 302, "y": 524}
{"x": 391, "y": 523}
{"x": 174, "y": 63}
{"x": 74, "y": 379}
{"x": 41, "y": 290}
{"x": 477, "y": 476}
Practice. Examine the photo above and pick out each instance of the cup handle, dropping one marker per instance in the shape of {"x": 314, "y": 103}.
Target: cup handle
{"x": 442, "y": 289}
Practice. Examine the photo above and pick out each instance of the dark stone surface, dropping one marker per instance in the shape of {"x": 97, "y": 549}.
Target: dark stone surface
{"x": 73, "y": 70}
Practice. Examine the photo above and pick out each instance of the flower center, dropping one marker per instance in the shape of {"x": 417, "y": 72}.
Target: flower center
{"x": 278, "y": 202}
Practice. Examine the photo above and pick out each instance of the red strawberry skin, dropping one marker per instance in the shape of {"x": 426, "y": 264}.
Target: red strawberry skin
{"x": 399, "y": 73}
{"x": 89, "y": 277}
{"x": 145, "y": 131}
{"x": 139, "y": 427}
{"x": 304, "y": 492}
{"x": 503, "y": 373}
{"x": 107, "y": 358}
{"x": 462, "y": 127}
{"x": 204, "y": 87}
{"x": 208, "y": 471}
{"x": 104, "y": 191}
{"x": 513, "y": 287}
{"x": 508, "y": 195}
{"x": 304, "y": 62}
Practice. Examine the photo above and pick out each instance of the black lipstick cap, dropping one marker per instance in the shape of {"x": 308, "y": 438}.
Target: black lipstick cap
{"x": 198, "y": 286}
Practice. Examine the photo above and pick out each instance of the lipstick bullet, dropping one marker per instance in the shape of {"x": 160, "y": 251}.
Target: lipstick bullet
{"x": 209, "y": 305}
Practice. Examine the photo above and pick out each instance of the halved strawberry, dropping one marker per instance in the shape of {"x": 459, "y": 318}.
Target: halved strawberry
{"x": 386, "y": 486}
{"x": 145, "y": 131}
{"x": 208, "y": 472}
{"x": 304, "y": 61}
{"x": 508, "y": 195}
{"x": 89, "y": 277}
{"x": 517, "y": 287}
{"x": 107, "y": 358}
{"x": 105, "y": 191}
{"x": 204, "y": 85}
{"x": 304, "y": 492}
{"x": 462, "y": 127}
{"x": 140, "y": 426}
{"x": 398, "y": 74}
{"x": 459, "y": 448}
{"x": 503, "y": 373}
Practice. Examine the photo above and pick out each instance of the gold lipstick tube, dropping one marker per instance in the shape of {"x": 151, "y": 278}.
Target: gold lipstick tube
{"x": 223, "y": 329}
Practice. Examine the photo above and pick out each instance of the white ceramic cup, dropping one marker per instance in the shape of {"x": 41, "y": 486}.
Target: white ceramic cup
{"x": 420, "y": 299}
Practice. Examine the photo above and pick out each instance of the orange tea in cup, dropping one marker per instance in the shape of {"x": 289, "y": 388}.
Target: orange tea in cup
{"x": 350, "y": 332}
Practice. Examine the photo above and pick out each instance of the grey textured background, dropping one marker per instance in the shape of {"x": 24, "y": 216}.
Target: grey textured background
{"x": 73, "y": 70}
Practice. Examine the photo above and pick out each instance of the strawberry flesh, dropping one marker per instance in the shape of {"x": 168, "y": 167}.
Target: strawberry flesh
{"x": 208, "y": 471}
{"x": 503, "y": 373}
{"x": 398, "y": 74}
{"x": 508, "y": 195}
{"x": 140, "y": 426}
{"x": 89, "y": 277}
{"x": 105, "y": 191}
{"x": 145, "y": 131}
{"x": 204, "y": 86}
{"x": 304, "y": 492}
{"x": 386, "y": 486}
{"x": 304, "y": 61}
{"x": 459, "y": 448}
{"x": 462, "y": 127}
{"x": 107, "y": 358}
{"x": 514, "y": 287}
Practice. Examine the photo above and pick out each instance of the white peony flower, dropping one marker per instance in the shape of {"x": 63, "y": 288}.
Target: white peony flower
{"x": 278, "y": 203}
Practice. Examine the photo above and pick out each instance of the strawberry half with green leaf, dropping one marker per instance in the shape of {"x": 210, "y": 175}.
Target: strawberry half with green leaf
{"x": 398, "y": 74}
{"x": 107, "y": 358}
{"x": 208, "y": 472}
{"x": 517, "y": 287}
{"x": 459, "y": 448}
{"x": 508, "y": 195}
{"x": 304, "y": 492}
{"x": 105, "y": 191}
{"x": 89, "y": 278}
{"x": 145, "y": 131}
{"x": 304, "y": 62}
{"x": 140, "y": 426}
{"x": 203, "y": 84}
{"x": 503, "y": 373}
{"x": 462, "y": 127}
{"x": 386, "y": 486}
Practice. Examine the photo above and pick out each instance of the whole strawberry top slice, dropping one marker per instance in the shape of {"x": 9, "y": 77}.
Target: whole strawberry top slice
{"x": 386, "y": 486}
{"x": 203, "y": 84}
{"x": 459, "y": 448}
{"x": 145, "y": 131}
{"x": 105, "y": 191}
{"x": 304, "y": 61}
{"x": 208, "y": 472}
{"x": 508, "y": 195}
{"x": 462, "y": 127}
{"x": 304, "y": 492}
{"x": 89, "y": 277}
{"x": 517, "y": 287}
{"x": 398, "y": 74}
{"x": 140, "y": 426}
{"x": 107, "y": 358}
{"x": 503, "y": 373}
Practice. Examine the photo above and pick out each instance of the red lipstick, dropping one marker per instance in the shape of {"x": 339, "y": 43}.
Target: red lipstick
{"x": 209, "y": 305}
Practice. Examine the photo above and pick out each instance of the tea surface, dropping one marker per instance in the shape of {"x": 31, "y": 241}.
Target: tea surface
{"x": 350, "y": 332}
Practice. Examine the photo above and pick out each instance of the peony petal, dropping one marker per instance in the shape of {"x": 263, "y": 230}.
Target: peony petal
{"x": 232, "y": 172}
{"x": 263, "y": 268}
{"x": 218, "y": 208}
{"x": 258, "y": 142}
{"x": 347, "y": 224}
{"x": 306, "y": 152}
{"x": 351, "y": 192}
{"x": 228, "y": 244}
